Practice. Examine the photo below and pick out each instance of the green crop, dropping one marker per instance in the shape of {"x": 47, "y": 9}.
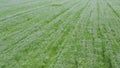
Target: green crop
{"x": 59, "y": 34}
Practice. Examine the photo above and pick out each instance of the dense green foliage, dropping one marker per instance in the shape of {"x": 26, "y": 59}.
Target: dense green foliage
{"x": 59, "y": 33}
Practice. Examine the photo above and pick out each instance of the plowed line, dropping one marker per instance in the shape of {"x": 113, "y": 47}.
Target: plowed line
{"x": 55, "y": 17}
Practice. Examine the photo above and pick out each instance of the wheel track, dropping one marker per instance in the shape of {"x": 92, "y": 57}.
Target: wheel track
{"x": 103, "y": 46}
{"x": 61, "y": 51}
{"x": 55, "y": 17}
{"x": 9, "y": 48}
{"x": 47, "y": 49}
{"x": 79, "y": 40}
{"x": 26, "y": 2}
{"x": 43, "y": 21}
{"x": 19, "y": 13}
{"x": 20, "y": 22}
{"x": 26, "y": 21}
{"x": 110, "y": 6}
{"x": 76, "y": 39}
{"x": 26, "y": 11}
{"x": 107, "y": 40}
{"x": 59, "y": 33}
{"x": 115, "y": 20}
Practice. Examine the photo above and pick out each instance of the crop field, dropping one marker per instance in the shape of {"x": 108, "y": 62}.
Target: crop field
{"x": 59, "y": 33}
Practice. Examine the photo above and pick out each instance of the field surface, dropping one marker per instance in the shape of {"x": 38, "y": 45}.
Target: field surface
{"x": 59, "y": 33}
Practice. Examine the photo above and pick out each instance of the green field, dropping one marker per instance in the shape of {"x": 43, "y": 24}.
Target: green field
{"x": 59, "y": 33}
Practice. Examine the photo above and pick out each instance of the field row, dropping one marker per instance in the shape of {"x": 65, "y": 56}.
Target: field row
{"x": 60, "y": 34}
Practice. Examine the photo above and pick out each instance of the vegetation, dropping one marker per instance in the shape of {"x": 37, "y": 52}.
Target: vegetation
{"x": 59, "y": 33}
